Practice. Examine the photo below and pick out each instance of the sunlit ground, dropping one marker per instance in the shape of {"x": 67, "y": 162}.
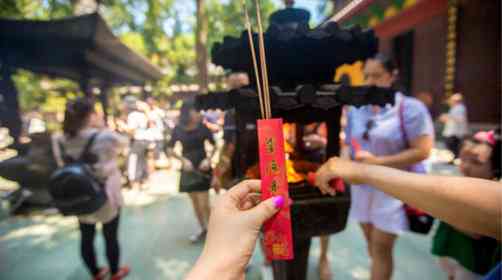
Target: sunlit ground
{"x": 155, "y": 226}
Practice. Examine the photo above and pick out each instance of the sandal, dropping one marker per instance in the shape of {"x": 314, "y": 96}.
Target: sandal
{"x": 198, "y": 237}
{"x": 102, "y": 273}
{"x": 122, "y": 273}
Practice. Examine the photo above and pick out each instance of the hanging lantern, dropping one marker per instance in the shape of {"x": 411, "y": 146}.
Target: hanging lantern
{"x": 451, "y": 47}
{"x": 409, "y": 3}
{"x": 390, "y": 12}
{"x": 373, "y": 21}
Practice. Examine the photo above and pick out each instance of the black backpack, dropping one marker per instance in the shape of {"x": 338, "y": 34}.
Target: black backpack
{"x": 74, "y": 188}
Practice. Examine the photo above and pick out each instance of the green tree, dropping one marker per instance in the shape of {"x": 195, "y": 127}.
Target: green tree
{"x": 141, "y": 25}
{"x": 201, "y": 34}
{"x": 228, "y": 20}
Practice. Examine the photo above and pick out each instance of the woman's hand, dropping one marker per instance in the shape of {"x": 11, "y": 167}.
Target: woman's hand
{"x": 336, "y": 168}
{"x": 234, "y": 225}
{"x": 443, "y": 118}
{"x": 205, "y": 165}
{"x": 216, "y": 184}
{"x": 366, "y": 157}
{"x": 314, "y": 141}
{"x": 186, "y": 165}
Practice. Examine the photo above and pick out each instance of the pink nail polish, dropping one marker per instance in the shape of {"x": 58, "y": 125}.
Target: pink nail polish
{"x": 278, "y": 201}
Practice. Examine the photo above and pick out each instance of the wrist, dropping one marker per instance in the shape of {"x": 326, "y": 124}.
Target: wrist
{"x": 381, "y": 160}
{"x": 218, "y": 172}
{"x": 359, "y": 172}
{"x": 211, "y": 267}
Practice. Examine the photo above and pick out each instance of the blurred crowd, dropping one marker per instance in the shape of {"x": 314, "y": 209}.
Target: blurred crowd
{"x": 147, "y": 135}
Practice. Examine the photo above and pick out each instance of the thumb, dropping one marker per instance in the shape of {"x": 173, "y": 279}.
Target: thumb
{"x": 266, "y": 209}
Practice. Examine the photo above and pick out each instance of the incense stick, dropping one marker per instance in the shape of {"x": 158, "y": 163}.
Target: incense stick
{"x": 253, "y": 56}
{"x": 263, "y": 63}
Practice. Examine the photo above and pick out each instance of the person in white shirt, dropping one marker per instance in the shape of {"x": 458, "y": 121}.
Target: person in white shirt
{"x": 455, "y": 121}
{"x": 156, "y": 126}
{"x": 137, "y": 128}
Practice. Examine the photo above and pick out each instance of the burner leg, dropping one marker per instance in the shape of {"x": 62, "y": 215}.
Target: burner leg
{"x": 297, "y": 268}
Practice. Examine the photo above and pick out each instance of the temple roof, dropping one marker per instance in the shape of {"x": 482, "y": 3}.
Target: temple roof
{"x": 80, "y": 48}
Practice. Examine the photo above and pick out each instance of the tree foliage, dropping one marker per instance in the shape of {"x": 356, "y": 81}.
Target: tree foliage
{"x": 142, "y": 26}
{"x": 228, "y": 19}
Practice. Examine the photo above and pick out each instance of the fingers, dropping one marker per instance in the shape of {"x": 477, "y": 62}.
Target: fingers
{"x": 247, "y": 205}
{"x": 359, "y": 156}
{"x": 266, "y": 209}
{"x": 254, "y": 199}
{"x": 325, "y": 188}
{"x": 323, "y": 177}
{"x": 238, "y": 192}
{"x": 251, "y": 200}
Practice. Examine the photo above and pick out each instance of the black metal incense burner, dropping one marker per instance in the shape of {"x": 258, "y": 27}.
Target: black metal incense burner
{"x": 313, "y": 214}
{"x": 301, "y": 64}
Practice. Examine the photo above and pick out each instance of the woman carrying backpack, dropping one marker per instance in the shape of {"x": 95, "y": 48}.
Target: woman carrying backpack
{"x": 81, "y": 123}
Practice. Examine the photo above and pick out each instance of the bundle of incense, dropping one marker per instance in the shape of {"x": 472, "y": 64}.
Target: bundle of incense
{"x": 278, "y": 239}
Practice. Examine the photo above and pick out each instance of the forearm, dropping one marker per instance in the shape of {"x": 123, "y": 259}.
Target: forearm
{"x": 226, "y": 154}
{"x": 213, "y": 151}
{"x": 477, "y": 201}
{"x": 202, "y": 272}
{"x": 207, "y": 268}
{"x": 223, "y": 166}
{"x": 403, "y": 159}
{"x": 171, "y": 153}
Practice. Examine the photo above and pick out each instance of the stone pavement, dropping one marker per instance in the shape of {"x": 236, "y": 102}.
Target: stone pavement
{"x": 155, "y": 226}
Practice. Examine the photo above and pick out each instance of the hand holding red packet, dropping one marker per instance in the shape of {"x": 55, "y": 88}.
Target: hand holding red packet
{"x": 337, "y": 184}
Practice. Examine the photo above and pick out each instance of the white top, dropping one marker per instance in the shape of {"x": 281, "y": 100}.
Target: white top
{"x": 156, "y": 129}
{"x": 139, "y": 122}
{"x": 456, "y": 125}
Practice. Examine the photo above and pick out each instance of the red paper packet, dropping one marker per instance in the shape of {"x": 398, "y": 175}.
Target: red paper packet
{"x": 278, "y": 239}
{"x": 356, "y": 146}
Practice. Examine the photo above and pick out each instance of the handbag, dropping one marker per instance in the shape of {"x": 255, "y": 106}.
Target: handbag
{"x": 194, "y": 181}
{"x": 418, "y": 220}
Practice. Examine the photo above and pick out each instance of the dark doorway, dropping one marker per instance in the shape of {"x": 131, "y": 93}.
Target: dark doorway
{"x": 402, "y": 48}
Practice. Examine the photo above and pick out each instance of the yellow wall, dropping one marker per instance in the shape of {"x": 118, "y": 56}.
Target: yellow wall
{"x": 354, "y": 71}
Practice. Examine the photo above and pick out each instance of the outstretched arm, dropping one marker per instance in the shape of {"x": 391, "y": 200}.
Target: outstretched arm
{"x": 471, "y": 204}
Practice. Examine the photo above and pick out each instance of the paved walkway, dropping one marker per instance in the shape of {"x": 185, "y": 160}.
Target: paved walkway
{"x": 155, "y": 226}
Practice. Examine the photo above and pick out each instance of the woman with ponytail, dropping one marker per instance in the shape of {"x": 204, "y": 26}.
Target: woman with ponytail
{"x": 81, "y": 123}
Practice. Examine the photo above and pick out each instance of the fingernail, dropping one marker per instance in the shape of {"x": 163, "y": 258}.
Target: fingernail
{"x": 278, "y": 201}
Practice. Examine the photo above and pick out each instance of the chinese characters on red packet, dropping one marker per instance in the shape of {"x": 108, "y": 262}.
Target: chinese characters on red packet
{"x": 277, "y": 231}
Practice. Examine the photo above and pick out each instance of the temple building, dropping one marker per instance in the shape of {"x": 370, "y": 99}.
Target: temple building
{"x": 440, "y": 46}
